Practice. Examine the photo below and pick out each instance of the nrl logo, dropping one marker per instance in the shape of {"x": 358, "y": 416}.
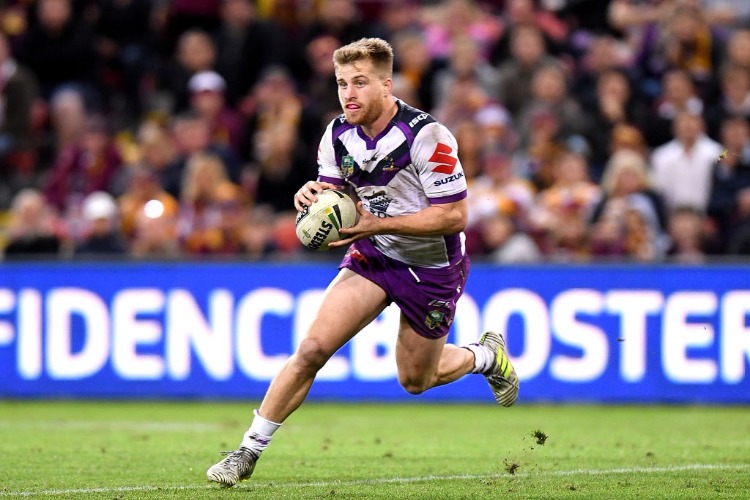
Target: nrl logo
{"x": 434, "y": 319}
{"x": 347, "y": 166}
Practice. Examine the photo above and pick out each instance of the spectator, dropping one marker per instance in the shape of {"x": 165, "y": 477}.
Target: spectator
{"x": 281, "y": 166}
{"x": 521, "y": 13}
{"x": 734, "y": 99}
{"x": 191, "y": 134}
{"x": 527, "y": 54}
{"x": 678, "y": 96}
{"x": 68, "y": 116}
{"x": 738, "y": 48}
{"x": 102, "y": 236}
{"x": 603, "y": 54}
{"x": 738, "y": 242}
{"x": 613, "y": 104}
{"x": 195, "y": 52}
{"x": 687, "y": 236}
{"x": 59, "y": 50}
{"x": 89, "y": 165}
{"x": 155, "y": 233}
{"x": 414, "y": 65}
{"x": 18, "y": 95}
{"x": 204, "y": 188}
{"x": 246, "y": 45}
{"x": 321, "y": 91}
{"x": 683, "y": 167}
{"x": 33, "y": 230}
{"x": 454, "y": 19}
{"x": 692, "y": 45}
{"x": 630, "y": 218}
{"x": 467, "y": 67}
{"x": 276, "y": 103}
{"x": 497, "y": 190}
{"x": 207, "y": 100}
{"x": 503, "y": 243}
{"x": 549, "y": 90}
{"x": 572, "y": 193}
{"x": 143, "y": 187}
{"x": 731, "y": 175}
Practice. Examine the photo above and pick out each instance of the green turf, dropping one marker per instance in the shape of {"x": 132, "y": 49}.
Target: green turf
{"x": 120, "y": 450}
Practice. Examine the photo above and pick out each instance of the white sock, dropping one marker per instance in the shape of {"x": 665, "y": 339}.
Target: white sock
{"x": 483, "y": 357}
{"x": 258, "y": 436}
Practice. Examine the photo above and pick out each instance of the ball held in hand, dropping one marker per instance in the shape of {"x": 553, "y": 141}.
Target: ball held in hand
{"x": 319, "y": 224}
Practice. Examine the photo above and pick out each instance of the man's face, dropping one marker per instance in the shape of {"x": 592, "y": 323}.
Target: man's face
{"x": 362, "y": 93}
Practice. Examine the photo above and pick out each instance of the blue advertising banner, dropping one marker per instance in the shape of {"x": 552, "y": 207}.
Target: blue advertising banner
{"x": 593, "y": 333}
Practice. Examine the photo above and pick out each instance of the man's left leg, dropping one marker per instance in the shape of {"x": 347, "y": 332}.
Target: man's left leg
{"x": 425, "y": 362}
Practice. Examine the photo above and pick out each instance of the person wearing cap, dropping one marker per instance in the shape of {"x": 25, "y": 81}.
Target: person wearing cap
{"x": 207, "y": 99}
{"x": 100, "y": 213}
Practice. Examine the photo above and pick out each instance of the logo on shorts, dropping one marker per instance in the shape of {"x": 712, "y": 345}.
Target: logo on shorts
{"x": 347, "y": 166}
{"x": 434, "y": 319}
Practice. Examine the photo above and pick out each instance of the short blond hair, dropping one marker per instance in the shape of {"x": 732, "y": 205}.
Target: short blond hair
{"x": 376, "y": 50}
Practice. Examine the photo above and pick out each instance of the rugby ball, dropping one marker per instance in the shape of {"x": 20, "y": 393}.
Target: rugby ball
{"x": 319, "y": 224}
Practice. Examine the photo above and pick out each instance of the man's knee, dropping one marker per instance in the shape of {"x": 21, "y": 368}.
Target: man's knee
{"x": 311, "y": 355}
{"x": 414, "y": 384}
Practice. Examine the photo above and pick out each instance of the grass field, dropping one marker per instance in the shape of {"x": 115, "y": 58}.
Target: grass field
{"x": 128, "y": 450}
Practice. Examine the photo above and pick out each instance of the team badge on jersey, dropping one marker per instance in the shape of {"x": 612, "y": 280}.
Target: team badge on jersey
{"x": 434, "y": 319}
{"x": 347, "y": 166}
{"x": 378, "y": 204}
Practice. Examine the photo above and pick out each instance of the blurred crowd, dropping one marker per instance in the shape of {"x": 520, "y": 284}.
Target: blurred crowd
{"x": 171, "y": 129}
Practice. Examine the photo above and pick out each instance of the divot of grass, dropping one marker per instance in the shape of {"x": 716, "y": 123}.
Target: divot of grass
{"x": 540, "y": 437}
{"x": 511, "y": 466}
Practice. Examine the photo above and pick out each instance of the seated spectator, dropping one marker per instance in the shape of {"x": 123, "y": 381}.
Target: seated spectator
{"x": 281, "y": 166}
{"x": 195, "y": 52}
{"x": 465, "y": 64}
{"x": 503, "y": 243}
{"x": 678, "y": 95}
{"x": 738, "y": 48}
{"x": 142, "y": 187}
{"x": 497, "y": 190}
{"x": 687, "y": 236}
{"x": 731, "y": 175}
{"x": 154, "y": 233}
{"x": 734, "y": 99}
{"x": 205, "y": 188}
{"x": 246, "y": 44}
{"x": 102, "y": 237}
{"x": 613, "y": 104}
{"x": 549, "y": 91}
{"x": 33, "y": 231}
{"x": 259, "y": 234}
{"x": 738, "y": 241}
{"x": 191, "y": 134}
{"x": 683, "y": 168}
{"x": 92, "y": 164}
{"x": 527, "y": 54}
{"x": 572, "y": 193}
{"x": 59, "y": 49}
{"x": 518, "y": 14}
{"x": 630, "y": 219}
{"x": 453, "y": 19}
{"x": 207, "y": 100}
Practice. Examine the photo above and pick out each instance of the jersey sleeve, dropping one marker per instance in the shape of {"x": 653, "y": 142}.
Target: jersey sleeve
{"x": 434, "y": 153}
{"x": 328, "y": 170}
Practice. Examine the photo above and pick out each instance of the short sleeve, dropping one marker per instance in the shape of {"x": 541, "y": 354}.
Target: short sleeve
{"x": 328, "y": 170}
{"x": 434, "y": 153}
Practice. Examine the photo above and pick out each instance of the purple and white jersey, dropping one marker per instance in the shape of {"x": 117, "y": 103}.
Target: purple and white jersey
{"x": 411, "y": 165}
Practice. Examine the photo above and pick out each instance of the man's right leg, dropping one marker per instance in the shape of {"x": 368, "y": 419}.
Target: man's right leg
{"x": 339, "y": 318}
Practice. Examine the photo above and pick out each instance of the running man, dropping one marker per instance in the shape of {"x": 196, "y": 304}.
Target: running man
{"x": 407, "y": 247}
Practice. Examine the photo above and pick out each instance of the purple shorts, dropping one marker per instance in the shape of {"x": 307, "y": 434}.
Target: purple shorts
{"x": 426, "y": 296}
